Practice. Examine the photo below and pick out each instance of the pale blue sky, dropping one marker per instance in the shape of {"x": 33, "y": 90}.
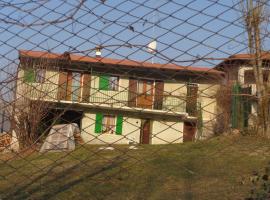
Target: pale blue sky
{"x": 184, "y": 29}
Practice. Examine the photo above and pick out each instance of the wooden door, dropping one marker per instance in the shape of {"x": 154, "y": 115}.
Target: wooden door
{"x": 145, "y": 94}
{"x": 69, "y": 86}
{"x": 76, "y": 86}
{"x": 62, "y": 86}
{"x": 86, "y": 86}
{"x": 132, "y": 92}
{"x": 145, "y": 132}
{"x": 189, "y": 131}
{"x": 159, "y": 90}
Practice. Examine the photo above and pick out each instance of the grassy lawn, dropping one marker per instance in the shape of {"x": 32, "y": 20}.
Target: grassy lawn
{"x": 216, "y": 169}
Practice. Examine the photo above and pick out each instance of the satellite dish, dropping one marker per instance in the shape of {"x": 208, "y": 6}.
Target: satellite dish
{"x": 152, "y": 46}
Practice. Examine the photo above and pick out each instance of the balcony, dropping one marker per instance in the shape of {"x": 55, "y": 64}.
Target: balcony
{"x": 107, "y": 99}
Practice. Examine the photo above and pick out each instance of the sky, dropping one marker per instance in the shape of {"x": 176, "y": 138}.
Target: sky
{"x": 184, "y": 29}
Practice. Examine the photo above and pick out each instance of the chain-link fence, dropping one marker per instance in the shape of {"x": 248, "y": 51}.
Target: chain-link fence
{"x": 132, "y": 99}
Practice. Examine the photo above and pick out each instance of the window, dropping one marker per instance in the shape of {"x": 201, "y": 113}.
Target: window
{"x": 40, "y": 75}
{"x": 191, "y": 101}
{"x": 148, "y": 87}
{"x": 113, "y": 83}
{"x": 140, "y": 87}
{"x": 34, "y": 76}
{"x": 108, "y": 124}
{"x": 76, "y": 86}
{"x": 109, "y": 83}
{"x": 145, "y": 87}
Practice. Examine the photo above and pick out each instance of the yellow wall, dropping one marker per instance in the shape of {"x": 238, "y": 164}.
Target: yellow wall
{"x": 207, "y": 93}
{"x": 176, "y": 102}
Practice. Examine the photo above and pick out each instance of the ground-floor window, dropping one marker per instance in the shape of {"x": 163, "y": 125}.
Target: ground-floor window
{"x": 106, "y": 123}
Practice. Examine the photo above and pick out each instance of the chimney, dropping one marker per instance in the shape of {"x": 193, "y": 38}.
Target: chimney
{"x": 98, "y": 52}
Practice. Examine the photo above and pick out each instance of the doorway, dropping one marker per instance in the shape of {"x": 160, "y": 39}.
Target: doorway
{"x": 145, "y": 131}
{"x": 145, "y": 94}
{"x": 189, "y": 131}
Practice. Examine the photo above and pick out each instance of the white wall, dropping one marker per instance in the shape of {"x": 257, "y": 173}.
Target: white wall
{"x": 164, "y": 132}
{"x": 207, "y": 97}
{"x": 130, "y": 131}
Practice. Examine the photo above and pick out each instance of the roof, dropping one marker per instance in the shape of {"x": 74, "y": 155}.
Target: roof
{"x": 119, "y": 62}
{"x": 265, "y": 56}
{"x": 242, "y": 57}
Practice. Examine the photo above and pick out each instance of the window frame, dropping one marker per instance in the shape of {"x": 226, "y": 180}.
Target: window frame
{"x": 105, "y": 125}
{"x": 112, "y": 85}
{"x": 142, "y": 87}
{"x": 38, "y": 78}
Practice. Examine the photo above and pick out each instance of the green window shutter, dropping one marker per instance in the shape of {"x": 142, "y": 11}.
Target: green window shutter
{"x": 235, "y": 105}
{"x": 29, "y": 75}
{"x": 104, "y": 82}
{"x": 119, "y": 125}
{"x": 98, "y": 125}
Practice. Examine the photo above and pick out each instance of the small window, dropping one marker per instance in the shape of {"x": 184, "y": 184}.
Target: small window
{"x": 40, "y": 75}
{"x": 108, "y": 124}
{"x": 113, "y": 83}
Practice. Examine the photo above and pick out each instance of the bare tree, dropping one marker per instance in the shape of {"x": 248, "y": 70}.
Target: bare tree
{"x": 28, "y": 106}
{"x": 254, "y": 17}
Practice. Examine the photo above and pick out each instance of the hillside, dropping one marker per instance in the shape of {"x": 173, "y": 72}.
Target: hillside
{"x": 216, "y": 169}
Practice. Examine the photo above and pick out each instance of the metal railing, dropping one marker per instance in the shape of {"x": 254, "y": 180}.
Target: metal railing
{"x": 105, "y": 97}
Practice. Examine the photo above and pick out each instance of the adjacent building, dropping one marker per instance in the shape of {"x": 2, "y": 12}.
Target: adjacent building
{"x": 239, "y": 75}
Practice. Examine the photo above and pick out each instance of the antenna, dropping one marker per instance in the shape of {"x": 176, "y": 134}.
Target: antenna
{"x": 152, "y": 46}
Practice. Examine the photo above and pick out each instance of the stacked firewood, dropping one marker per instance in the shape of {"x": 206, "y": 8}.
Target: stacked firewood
{"x": 5, "y": 140}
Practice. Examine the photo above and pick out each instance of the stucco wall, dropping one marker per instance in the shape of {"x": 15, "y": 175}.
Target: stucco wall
{"x": 164, "y": 132}
{"x": 176, "y": 101}
{"x": 47, "y": 90}
{"x": 207, "y": 98}
{"x": 130, "y": 131}
{"x": 207, "y": 93}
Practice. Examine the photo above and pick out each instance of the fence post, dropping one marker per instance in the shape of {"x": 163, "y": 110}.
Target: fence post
{"x": 2, "y": 121}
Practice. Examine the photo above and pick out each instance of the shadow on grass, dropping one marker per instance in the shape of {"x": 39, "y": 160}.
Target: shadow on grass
{"x": 44, "y": 186}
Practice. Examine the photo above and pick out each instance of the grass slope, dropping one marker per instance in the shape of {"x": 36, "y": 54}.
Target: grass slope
{"x": 216, "y": 169}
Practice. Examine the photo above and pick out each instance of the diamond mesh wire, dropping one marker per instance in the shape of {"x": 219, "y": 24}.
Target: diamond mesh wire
{"x": 136, "y": 78}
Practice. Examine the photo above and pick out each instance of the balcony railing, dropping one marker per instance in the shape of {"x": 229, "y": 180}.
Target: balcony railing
{"x": 106, "y": 97}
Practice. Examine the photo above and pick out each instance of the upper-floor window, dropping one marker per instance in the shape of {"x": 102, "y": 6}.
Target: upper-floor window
{"x": 109, "y": 83}
{"x": 191, "y": 100}
{"x": 75, "y": 86}
{"x": 145, "y": 87}
{"x": 40, "y": 75}
{"x": 34, "y": 75}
